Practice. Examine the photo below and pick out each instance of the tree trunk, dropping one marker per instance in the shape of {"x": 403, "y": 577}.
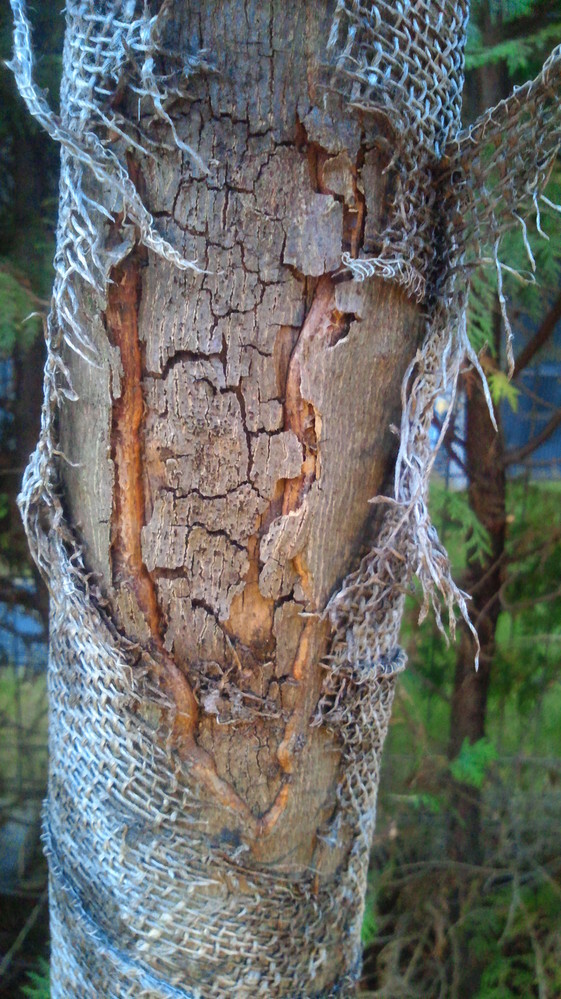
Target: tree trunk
{"x": 487, "y": 497}
{"x": 221, "y": 457}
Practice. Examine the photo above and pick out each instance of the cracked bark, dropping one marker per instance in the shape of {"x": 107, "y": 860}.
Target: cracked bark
{"x": 242, "y": 423}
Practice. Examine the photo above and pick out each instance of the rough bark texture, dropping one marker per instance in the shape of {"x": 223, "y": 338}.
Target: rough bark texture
{"x": 239, "y": 422}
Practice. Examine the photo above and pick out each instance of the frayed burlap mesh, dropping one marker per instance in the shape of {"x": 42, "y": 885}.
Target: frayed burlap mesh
{"x": 139, "y": 903}
{"x": 468, "y": 189}
{"x": 140, "y": 931}
{"x": 404, "y": 63}
{"x": 120, "y": 803}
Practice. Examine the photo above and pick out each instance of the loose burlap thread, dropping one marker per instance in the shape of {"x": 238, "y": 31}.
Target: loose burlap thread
{"x": 456, "y": 194}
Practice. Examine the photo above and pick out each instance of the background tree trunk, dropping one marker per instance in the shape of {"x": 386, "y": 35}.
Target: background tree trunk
{"x": 484, "y": 451}
{"x": 468, "y": 710}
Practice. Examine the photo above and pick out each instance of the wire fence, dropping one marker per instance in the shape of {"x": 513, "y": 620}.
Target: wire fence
{"x": 23, "y": 773}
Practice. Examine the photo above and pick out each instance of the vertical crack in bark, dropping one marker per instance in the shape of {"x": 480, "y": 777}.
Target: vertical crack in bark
{"x": 123, "y": 300}
{"x": 324, "y": 323}
{"x": 354, "y": 216}
{"x": 129, "y": 571}
{"x": 297, "y": 725}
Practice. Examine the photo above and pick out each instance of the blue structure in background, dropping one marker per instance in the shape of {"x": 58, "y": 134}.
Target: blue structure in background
{"x": 22, "y": 640}
{"x": 6, "y": 397}
{"x": 539, "y": 397}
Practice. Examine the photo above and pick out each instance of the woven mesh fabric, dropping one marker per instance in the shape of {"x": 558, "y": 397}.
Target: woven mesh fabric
{"x": 404, "y": 63}
{"x": 500, "y": 167}
{"x": 463, "y": 190}
{"x": 121, "y": 812}
{"x": 138, "y": 818}
{"x": 406, "y": 59}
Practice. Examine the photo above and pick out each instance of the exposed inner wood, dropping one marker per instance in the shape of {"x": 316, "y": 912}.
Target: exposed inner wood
{"x": 326, "y": 324}
{"x": 129, "y": 570}
{"x": 121, "y": 317}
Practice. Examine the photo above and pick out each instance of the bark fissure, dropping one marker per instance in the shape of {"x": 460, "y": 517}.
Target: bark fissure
{"x": 129, "y": 570}
{"x": 121, "y": 318}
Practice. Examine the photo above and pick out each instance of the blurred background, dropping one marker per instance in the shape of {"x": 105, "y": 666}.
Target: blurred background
{"x": 464, "y": 897}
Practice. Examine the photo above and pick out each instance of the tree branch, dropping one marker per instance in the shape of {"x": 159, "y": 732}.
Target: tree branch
{"x": 540, "y": 338}
{"x": 450, "y": 439}
{"x": 11, "y": 593}
{"x": 521, "y": 453}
